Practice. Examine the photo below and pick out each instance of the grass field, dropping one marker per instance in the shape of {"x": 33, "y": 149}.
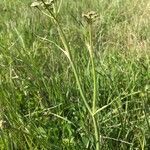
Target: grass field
{"x": 75, "y": 75}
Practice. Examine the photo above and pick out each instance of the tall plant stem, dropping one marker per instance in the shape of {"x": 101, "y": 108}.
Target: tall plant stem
{"x": 91, "y": 51}
{"x": 69, "y": 56}
{"x": 64, "y": 41}
{"x": 96, "y": 133}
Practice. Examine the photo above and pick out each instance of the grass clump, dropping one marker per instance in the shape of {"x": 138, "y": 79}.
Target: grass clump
{"x": 74, "y": 78}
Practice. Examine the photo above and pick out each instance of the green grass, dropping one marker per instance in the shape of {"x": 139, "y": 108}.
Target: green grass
{"x": 51, "y": 100}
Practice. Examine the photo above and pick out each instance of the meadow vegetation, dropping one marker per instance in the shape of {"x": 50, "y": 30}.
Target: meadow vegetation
{"x": 75, "y": 74}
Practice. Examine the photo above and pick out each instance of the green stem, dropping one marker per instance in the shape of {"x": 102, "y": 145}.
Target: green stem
{"x": 91, "y": 51}
{"x": 97, "y": 140}
{"x": 80, "y": 88}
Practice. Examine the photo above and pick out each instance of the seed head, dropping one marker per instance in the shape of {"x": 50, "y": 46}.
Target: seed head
{"x": 3, "y": 124}
{"x": 90, "y": 17}
{"x": 36, "y": 4}
{"x": 48, "y": 3}
{"x": 40, "y": 3}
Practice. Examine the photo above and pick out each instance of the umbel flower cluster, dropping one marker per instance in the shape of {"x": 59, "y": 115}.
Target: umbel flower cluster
{"x": 42, "y": 3}
{"x": 90, "y": 17}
